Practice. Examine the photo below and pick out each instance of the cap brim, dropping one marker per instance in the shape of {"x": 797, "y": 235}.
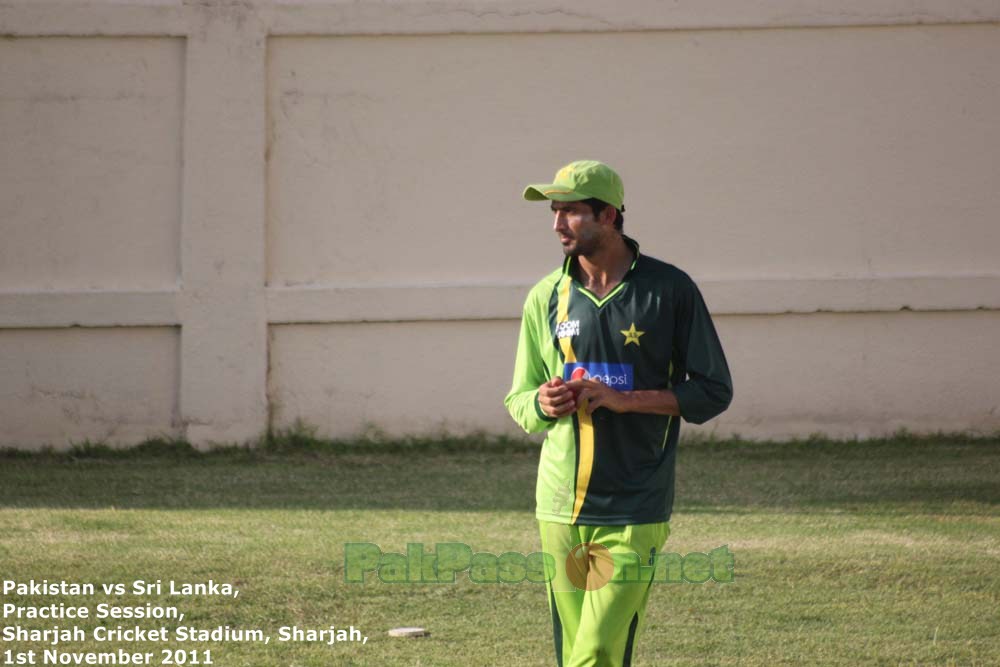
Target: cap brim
{"x": 551, "y": 191}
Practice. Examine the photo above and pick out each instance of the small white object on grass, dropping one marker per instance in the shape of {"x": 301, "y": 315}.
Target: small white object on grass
{"x": 408, "y": 632}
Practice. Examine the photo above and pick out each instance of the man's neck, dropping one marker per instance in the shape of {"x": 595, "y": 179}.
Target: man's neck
{"x": 603, "y": 270}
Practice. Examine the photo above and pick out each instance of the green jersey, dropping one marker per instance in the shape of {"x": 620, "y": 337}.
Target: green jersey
{"x": 653, "y": 331}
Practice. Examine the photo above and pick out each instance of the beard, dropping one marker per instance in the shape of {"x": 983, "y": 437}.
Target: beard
{"x": 585, "y": 244}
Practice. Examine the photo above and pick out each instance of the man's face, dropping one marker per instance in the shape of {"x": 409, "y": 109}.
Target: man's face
{"x": 579, "y": 231}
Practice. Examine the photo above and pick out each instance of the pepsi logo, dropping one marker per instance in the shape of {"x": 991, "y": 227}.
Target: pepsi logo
{"x": 617, "y": 376}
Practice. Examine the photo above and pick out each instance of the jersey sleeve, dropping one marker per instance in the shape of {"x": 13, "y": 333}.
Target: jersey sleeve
{"x": 708, "y": 388}
{"x": 529, "y": 370}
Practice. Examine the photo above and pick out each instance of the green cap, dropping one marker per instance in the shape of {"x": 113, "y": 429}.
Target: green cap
{"x": 580, "y": 180}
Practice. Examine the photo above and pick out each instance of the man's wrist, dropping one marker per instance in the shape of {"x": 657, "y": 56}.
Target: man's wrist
{"x": 647, "y": 401}
{"x": 624, "y": 402}
{"x": 541, "y": 412}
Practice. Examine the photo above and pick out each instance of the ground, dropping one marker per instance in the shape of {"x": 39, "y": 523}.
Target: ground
{"x": 846, "y": 553}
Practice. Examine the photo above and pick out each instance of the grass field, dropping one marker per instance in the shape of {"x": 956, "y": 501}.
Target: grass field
{"x": 871, "y": 553}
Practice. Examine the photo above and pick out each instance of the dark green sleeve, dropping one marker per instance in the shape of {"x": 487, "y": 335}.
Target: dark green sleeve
{"x": 707, "y": 389}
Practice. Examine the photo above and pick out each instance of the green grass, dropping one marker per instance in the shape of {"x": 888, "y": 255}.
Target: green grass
{"x": 847, "y": 553}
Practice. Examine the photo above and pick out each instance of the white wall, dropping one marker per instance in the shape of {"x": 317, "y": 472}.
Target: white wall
{"x": 216, "y": 216}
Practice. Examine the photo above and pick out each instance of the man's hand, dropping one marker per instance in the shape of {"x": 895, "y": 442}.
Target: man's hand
{"x": 556, "y": 398}
{"x": 595, "y": 394}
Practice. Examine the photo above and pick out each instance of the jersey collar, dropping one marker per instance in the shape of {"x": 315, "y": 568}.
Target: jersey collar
{"x": 629, "y": 241}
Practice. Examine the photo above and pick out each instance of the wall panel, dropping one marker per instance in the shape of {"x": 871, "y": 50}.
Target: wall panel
{"x": 91, "y": 162}
{"x": 117, "y": 385}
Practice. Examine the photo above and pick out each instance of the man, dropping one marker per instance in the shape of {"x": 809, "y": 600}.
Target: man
{"x": 614, "y": 347}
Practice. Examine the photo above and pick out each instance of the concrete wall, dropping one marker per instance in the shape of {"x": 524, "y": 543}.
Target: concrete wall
{"x": 220, "y": 215}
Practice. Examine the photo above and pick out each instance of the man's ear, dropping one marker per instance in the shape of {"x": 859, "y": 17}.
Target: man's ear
{"x": 608, "y": 215}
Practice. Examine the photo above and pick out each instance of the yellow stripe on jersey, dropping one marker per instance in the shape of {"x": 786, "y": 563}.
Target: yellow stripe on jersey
{"x": 586, "y": 461}
{"x": 562, "y": 314}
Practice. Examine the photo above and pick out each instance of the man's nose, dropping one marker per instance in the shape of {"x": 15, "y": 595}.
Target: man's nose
{"x": 560, "y": 220}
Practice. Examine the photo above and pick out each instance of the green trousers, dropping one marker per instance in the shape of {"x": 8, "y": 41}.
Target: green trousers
{"x": 596, "y": 620}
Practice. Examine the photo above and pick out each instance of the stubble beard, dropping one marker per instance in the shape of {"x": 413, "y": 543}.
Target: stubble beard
{"x": 585, "y": 246}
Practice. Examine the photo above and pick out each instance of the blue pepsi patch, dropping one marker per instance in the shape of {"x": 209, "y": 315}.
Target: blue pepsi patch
{"x": 620, "y": 377}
